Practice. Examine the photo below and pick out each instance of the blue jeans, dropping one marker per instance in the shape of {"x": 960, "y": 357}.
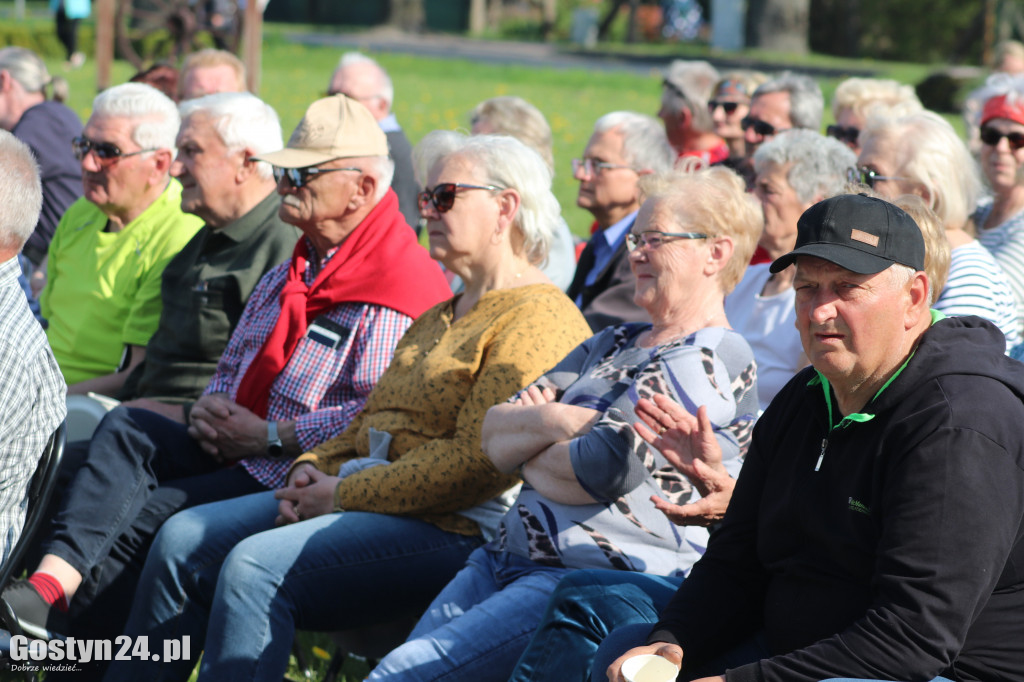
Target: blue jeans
{"x": 586, "y": 606}
{"x": 224, "y": 574}
{"x": 116, "y": 491}
{"x": 478, "y": 626}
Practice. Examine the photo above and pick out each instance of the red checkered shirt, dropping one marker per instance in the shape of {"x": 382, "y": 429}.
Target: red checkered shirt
{"x": 320, "y": 388}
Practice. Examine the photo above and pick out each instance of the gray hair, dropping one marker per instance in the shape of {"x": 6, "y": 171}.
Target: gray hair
{"x": 690, "y": 86}
{"x": 21, "y": 192}
{"x": 806, "y": 103}
{"x": 155, "y": 115}
{"x": 867, "y": 97}
{"x": 505, "y": 162}
{"x": 380, "y": 167}
{"x": 387, "y": 88}
{"x": 820, "y": 164}
{"x": 927, "y": 151}
{"x": 243, "y": 121}
{"x": 515, "y": 116}
{"x": 30, "y": 71}
{"x": 644, "y": 143}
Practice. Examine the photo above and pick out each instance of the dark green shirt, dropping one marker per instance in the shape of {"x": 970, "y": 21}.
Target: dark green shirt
{"x": 204, "y": 289}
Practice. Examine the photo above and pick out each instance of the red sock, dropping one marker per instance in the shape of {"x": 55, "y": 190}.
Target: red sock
{"x": 49, "y": 588}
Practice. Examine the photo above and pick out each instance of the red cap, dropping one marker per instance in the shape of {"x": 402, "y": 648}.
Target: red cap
{"x": 1001, "y": 107}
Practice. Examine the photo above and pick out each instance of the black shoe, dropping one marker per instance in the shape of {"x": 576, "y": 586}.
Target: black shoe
{"x": 35, "y": 616}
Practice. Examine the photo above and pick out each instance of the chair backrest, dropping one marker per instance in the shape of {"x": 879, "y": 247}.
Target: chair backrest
{"x": 40, "y": 490}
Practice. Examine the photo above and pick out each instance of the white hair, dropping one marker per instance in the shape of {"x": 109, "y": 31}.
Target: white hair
{"x": 243, "y": 121}
{"x": 21, "y": 192}
{"x": 644, "y": 143}
{"x": 30, "y": 71}
{"x": 806, "y": 103}
{"x": 155, "y": 115}
{"x": 820, "y": 164}
{"x": 387, "y": 88}
{"x": 502, "y": 161}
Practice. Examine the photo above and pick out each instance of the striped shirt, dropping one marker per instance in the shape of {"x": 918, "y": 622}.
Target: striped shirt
{"x": 321, "y": 388}
{"x": 32, "y": 395}
{"x": 1006, "y": 243}
{"x": 977, "y": 286}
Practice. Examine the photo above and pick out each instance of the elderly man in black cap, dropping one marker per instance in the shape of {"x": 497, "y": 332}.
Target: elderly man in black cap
{"x": 876, "y": 528}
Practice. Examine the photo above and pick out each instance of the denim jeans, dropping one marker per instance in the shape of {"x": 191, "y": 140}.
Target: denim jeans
{"x": 478, "y": 626}
{"x": 224, "y": 574}
{"x": 586, "y": 606}
{"x": 138, "y": 470}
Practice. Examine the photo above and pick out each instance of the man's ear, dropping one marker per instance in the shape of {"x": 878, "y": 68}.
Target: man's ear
{"x": 366, "y": 190}
{"x": 919, "y": 298}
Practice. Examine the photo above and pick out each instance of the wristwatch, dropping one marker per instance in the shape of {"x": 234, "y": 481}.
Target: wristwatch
{"x": 275, "y": 448}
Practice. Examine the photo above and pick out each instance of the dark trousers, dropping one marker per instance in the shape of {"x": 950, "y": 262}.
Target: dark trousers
{"x": 67, "y": 31}
{"x": 138, "y": 470}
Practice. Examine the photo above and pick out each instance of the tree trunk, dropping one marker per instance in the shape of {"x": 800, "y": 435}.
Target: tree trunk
{"x": 778, "y": 25}
{"x": 407, "y": 15}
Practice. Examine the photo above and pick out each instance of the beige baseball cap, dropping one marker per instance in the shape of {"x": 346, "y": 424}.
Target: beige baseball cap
{"x": 334, "y": 127}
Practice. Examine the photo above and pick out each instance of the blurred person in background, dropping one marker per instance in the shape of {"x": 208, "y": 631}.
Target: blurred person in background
{"x": 858, "y": 99}
{"x": 729, "y": 105}
{"x": 211, "y": 71}
{"x": 685, "y": 91}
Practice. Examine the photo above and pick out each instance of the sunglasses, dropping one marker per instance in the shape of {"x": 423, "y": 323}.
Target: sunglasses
{"x": 845, "y": 134}
{"x": 106, "y": 153}
{"x": 592, "y": 166}
{"x": 443, "y": 195}
{"x": 866, "y": 176}
{"x": 730, "y": 107}
{"x": 760, "y": 127}
{"x": 991, "y": 137}
{"x": 300, "y": 177}
{"x": 653, "y": 239}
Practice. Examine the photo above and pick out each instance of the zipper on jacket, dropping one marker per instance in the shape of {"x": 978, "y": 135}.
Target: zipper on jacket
{"x": 821, "y": 455}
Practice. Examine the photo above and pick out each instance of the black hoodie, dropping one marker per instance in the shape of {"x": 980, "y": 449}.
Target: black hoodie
{"x": 900, "y": 556}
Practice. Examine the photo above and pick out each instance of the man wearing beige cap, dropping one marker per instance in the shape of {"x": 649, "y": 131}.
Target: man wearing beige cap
{"x": 315, "y": 335}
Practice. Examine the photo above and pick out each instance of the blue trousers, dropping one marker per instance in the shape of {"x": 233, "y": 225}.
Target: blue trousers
{"x": 223, "y": 574}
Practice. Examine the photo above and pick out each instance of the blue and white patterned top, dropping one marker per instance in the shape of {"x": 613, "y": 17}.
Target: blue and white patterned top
{"x": 624, "y": 530}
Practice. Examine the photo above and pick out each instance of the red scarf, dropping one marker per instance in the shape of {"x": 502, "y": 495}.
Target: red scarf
{"x": 380, "y": 263}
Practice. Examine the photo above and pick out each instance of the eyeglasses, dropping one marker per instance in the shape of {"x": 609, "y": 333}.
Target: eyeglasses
{"x": 845, "y": 134}
{"x": 107, "y": 153}
{"x": 443, "y": 195}
{"x": 592, "y": 166}
{"x": 653, "y": 239}
{"x": 762, "y": 128}
{"x": 991, "y": 137}
{"x": 730, "y": 107}
{"x": 300, "y": 177}
{"x": 866, "y": 176}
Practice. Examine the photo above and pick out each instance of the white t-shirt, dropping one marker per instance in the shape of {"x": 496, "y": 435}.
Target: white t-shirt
{"x": 768, "y": 323}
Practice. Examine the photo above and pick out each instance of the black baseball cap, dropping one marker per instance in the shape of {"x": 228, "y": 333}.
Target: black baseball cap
{"x": 857, "y": 232}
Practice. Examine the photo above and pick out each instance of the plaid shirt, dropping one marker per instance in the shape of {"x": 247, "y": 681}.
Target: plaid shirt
{"x": 320, "y": 388}
{"x": 32, "y": 395}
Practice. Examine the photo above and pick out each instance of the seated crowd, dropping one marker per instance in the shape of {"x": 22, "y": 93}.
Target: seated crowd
{"x": 764, "y": 427}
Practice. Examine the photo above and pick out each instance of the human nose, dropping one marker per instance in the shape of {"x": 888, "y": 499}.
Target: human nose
{"x": 750, "y": 136}
{"x": 582, "y": 171}
{"x": 90, "y": 163}
{"x": 821, "y": 308}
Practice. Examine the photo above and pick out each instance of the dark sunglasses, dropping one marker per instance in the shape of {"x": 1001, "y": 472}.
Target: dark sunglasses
{"x": 106, "y": 153}
{"x": 760, "y": 127}
{"x": 845, "y": 134}
{"x": 991, "y": 137}
{"x": 866, "y": 176}
{"x": 300, "y": 177}
{"x": 443, "y": 195}
{"x": 730, "y": 107}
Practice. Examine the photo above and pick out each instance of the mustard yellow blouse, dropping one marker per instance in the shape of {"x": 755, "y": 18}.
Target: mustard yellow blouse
{"x": 432, "y": 400}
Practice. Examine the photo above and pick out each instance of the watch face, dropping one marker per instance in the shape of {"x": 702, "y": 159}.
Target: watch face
{"x": 275, "y": 451}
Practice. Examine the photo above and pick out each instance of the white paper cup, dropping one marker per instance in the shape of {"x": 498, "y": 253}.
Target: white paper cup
{"x": 649, "y": 668}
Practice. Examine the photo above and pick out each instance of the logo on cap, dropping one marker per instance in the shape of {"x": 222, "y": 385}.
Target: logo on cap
{"x": 865, "y": 237}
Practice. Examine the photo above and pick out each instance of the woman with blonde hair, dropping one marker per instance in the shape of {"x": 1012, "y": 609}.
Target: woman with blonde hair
{"x": 858, "y": 99}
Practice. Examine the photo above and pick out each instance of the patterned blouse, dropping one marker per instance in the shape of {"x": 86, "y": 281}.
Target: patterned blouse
{"x": 432, "y": 400}
{"x": 623, "y": 530}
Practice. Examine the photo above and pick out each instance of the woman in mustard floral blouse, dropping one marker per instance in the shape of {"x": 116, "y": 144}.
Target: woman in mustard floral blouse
{"x": 376, "y": 521}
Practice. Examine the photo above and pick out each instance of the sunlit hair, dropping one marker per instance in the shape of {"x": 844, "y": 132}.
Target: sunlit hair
{"x": 209, "y": 58}
{"x": 1001, "y": 84}
{"x": 867, "y": 97}
{"x": 501, "y": 161}
{"x": 806, "y": 103}
{"x": 515, "y": 116}
{"x": 21, "y": 192}
{"x": 28, "y": 69}
{"x": 696, "y": 81}
{"x": 714, "y": 201}
{"x": 937, "y": 251}
{"x": 925, "y": 149}
{"x": 385, "y": 89}
{"x": 644, "y": 143}
{"x": 820, "y": 164}
{"x": 243, "y": 121}
{"x": 1004, "y": 49}
{"x": 741, "y": 81}
{"x": 154, "y": 114}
